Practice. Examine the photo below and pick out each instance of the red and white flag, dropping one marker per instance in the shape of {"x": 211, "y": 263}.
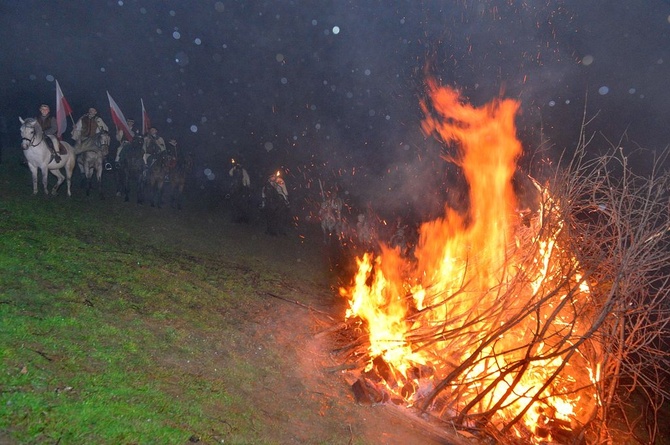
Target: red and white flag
{"x": 146, "y": 122}
{"x": 119, "y": 119}
{"x": 63, "y": 109}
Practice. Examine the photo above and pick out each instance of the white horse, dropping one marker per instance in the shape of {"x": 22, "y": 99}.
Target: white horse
{"x": 38, "y": 156}
{"x": 91, "y": 160}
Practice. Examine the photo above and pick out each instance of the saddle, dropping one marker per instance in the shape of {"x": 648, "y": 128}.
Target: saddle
{"x": 60, "y": 149}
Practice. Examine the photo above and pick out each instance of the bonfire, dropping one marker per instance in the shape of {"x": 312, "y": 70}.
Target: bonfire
{"x": 522, "y": 322}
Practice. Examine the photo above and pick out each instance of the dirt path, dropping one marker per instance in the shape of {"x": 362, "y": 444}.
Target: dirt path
{"x": 299, "y": 398}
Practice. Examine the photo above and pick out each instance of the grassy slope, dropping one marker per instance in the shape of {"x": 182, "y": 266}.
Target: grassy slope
{"x": 111, "y": 335}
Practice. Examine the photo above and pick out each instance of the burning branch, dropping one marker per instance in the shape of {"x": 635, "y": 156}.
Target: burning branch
{"x": 523, "y": 327}
{"x": 619, "y": 225}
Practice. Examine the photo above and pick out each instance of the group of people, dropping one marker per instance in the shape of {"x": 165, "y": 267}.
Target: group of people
{"x": 274, "y": 203}
{"x": 91, "y": 124}
{"x": 363, "y": 231}
{"x": 274, "y": 199}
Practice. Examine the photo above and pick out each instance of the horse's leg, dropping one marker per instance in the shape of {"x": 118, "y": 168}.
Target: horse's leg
{"x": 82, "y": 169}
{"x": 175, "y": 193}
{"x": 140, "y": 187}
{"x": 33, "y": 173}
{"x": 126, "y": 187}
{"x": 118, "y": 180}
{"x": 159, "y": 194}
{"x": 180, "y": 194}
{"x": 57, "y": 173}
{"x": 99, "y": 176}
{"x": 69, "y": 169}
{"x": 152, "y": 192}
{"x": 68, "y": 180}
{"x": 45, "y": 178}
{"x": 124, "y": 183}
{"x": 89, "y": 180}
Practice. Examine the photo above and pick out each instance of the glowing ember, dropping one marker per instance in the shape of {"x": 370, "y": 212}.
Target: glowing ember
{"x": 485, "y": 326}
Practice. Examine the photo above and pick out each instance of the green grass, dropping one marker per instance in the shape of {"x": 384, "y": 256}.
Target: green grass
{"x": 92, "y": 323}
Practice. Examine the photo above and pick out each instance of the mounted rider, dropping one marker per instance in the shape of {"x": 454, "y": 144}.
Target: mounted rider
{"x": 172, "y": 151}
{"x": 49, "y": 128}
{"x": 275, "y": 204}
{"x": 240, "y": 193}
{"x": 274, "y": 185}
{"x": 239, "y": 175}
{"x": 88, "y": 126}
{"x": 124, "y": 139}
{"x": 153, "y": 145}
{"x": 87, "y": 129}
{"x": 330, "y": 215}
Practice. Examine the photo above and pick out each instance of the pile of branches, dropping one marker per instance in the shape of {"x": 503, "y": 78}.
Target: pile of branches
{"x": 618, "y": 222}
{"x": 615, "y": 223}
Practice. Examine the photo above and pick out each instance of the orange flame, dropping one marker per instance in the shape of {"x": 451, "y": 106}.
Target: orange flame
{"x": 497, "y": 314}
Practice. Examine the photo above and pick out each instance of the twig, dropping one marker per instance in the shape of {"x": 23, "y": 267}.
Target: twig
{"x": 332, "y": 328}
{"x": 41, "y": 354}
{"x": 299, "y": 304}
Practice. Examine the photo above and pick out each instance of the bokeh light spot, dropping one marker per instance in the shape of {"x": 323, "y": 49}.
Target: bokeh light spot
{"x": 181, "y": 58}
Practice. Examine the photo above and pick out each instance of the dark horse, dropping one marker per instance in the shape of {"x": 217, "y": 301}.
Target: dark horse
{"x": 275, "y": 207}
{"x": 168, "y": 173}
{"x": 131, "y": 170}
{"x": 179, "y": 170}
{"x": 159, "y": 166}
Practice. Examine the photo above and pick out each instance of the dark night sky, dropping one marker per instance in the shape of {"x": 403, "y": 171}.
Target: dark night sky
{"x": 330, "y": 89}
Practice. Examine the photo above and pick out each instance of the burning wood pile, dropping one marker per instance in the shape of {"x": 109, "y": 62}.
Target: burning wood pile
{"x": 523, "y": 326}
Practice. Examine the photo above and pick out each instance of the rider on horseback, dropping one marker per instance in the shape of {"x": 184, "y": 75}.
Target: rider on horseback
{"x": 49, "y": 128}
{"x": 124, "y": 140}
{"x": 88, "y": 126}
{"x": 275, "y": 205}
{"x": 240, "y": 193}
{"x": 153, "y": 144}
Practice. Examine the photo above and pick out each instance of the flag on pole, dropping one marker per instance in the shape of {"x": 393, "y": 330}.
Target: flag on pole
{"x": 62, "y": 109}
{"x": 146, "y": 123}
{"x": 119, "y": 119}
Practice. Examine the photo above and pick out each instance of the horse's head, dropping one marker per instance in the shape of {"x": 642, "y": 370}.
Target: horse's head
{"x": 103, "y": 138}
{"x": 102, "y": 141}
{"x": 31, "y": 132}
{"x": 137, "y": 143}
